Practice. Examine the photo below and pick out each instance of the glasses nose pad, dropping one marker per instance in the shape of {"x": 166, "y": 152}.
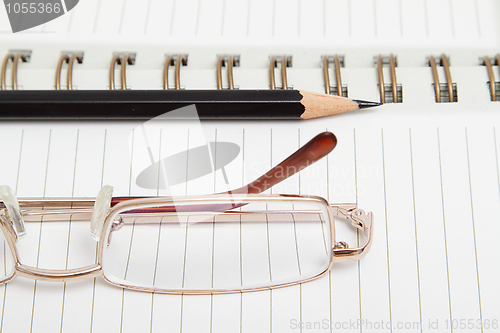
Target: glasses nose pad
{"x": 101, "y": 209}
{"x": 13, "y": 212}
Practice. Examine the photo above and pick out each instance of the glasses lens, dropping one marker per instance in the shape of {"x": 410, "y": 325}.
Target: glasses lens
{"x": 258, "y": 244}
{"x": 6, "y": 260}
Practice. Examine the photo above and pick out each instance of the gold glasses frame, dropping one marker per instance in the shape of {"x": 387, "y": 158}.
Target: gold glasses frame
{"x": 81, "y": 209}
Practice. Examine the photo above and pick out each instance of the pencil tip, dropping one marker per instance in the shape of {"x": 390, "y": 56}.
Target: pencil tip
{"x": 366, "y": 104}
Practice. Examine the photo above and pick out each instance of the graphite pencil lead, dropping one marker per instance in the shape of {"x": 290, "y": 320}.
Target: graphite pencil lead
{"x": 366, "y": 104}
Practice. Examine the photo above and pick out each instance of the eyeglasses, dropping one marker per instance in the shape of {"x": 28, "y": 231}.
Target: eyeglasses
{"x": 230, "y": 242}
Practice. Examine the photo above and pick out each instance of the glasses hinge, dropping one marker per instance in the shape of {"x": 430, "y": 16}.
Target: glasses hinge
{"x": 358, "y": 219}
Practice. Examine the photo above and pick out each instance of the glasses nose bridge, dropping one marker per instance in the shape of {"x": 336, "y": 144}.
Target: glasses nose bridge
{"x": 56, "y": 211}
{"x": 52, "y": 210}
{"x": 35, "y": 273}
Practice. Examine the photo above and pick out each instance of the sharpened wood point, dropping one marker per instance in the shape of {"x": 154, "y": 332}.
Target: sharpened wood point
{"x": 321, "y": 105}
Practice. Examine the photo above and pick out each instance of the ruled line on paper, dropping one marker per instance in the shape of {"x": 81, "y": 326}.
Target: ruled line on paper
{"x": 426, "y": 12}
{"x": 213, "y": 260}
{"x": 473, "y": 227}
{"x": 122, "y": 16}
{"x": 69, "y": 227}
{"x": 294, "y": 226}
{"x": 444, "y": 223}
{"x": 70, "y": 21}
{"x": 40, "y": 234}
{"x": 19, "y": 161}
{"x": 129, "y": 193}
{"x": 298, "y": 17}
{"x": 274, "y": 18}
{"x": 96, "y": 248}
{"x": 242, "y": 183}
{"x": 198, "y": 18}
{"x": 349, "y": 15}
{"x": 496, "y": 156}
{"x": 415, "y": 223}
{"x": 400, "y": 11}
{"x": 248, "y": 20}
{"x": 185, "y": 240}
{"x": 97, "y": 12}
{"x": 478, "y": 19}
{"x": 386, "y": 225}
{"x": 357, "y": 231}
{"x": 267, "y": 222}
{"x": 223, "y": 17}
{"x": 329, "y": 200}
{"x": 148, "y": 14}
{"x": 174, "y": 7}
{"x": 452, "y": 19}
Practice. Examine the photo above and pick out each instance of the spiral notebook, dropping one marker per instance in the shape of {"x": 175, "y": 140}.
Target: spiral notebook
{"x": 428, "y": 170}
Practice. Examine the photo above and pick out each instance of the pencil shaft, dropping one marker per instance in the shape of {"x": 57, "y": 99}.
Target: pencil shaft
{"x": 147, "y": 104}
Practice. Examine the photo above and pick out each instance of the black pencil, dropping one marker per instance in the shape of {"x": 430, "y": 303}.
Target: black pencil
{"x": 147, "y": 104}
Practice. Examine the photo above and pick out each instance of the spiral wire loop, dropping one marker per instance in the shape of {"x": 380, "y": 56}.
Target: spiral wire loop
{"x": 177, "y": 61}
{"x": 272, "y": 65}
{"x": 124, "y": 60}
{"x": 15, "y": 60}
{"x": 326, "y": 76}
{"x": 70, "y": 59}
{"x": 230, "y": 65}
{"x": 491, "y": 74}
{"x": 446, "y": 65}
{"x": 394, "y": 82}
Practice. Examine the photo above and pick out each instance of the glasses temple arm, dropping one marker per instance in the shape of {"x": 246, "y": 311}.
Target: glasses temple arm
{"x": 314, "y": 150}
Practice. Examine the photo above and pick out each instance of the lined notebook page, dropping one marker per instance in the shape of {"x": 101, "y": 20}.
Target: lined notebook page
{"x": 434, "y": 190}
{"x": 428, "y": 172}
{"x": 344, "y": 22}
